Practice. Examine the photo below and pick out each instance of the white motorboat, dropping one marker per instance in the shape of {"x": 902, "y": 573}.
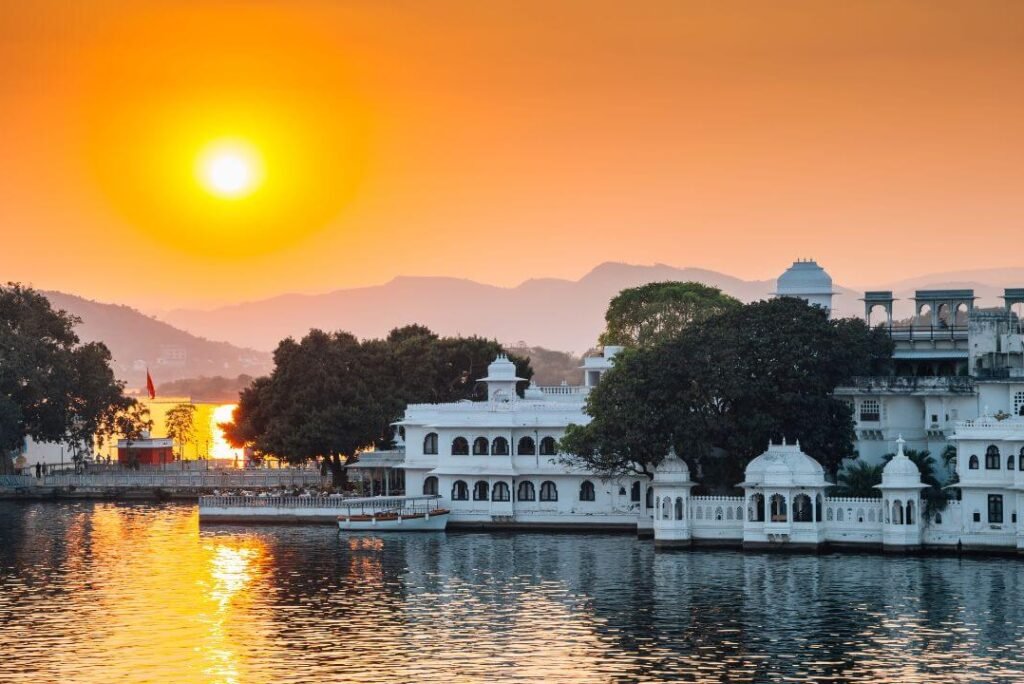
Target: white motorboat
{"x": 393, "y": 514}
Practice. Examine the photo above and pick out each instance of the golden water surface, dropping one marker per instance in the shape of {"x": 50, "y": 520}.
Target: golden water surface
{"x": 111, "y": 592}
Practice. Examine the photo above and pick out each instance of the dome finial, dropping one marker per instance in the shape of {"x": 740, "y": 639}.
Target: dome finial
{"x": 899, "y": 445}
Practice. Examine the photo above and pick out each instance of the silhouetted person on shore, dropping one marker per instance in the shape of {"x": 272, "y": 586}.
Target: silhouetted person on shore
{"x": 39, "y": 471}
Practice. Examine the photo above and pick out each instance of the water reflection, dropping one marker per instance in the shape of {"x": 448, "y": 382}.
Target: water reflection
{"x": 111, "y": 592}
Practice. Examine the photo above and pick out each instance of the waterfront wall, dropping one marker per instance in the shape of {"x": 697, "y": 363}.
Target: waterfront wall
{"x": 191, "y": 482}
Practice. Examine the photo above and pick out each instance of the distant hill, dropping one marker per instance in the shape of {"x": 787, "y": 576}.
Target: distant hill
{"x": 548, "y": 312}
{"x": 551, "y": 367}
{"x": 217, "y": 389}
{"x": 137, "y": 341}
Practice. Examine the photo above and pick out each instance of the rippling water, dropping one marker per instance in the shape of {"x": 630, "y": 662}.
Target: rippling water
{"x": 139, "y": 593}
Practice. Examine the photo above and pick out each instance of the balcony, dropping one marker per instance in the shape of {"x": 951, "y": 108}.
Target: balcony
{"x": 909, "y": 384}
{"x": 922, "y": 333}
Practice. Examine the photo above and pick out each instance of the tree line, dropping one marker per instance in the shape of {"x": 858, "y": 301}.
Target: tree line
{"x": 719, "y": 380}
{"x": 331, "y": 396}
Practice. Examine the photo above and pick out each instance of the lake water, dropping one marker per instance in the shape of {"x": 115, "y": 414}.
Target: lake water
{"x": 140, "y": 593}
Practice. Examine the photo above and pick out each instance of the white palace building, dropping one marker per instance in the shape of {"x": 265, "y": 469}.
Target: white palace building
{"x": 959, "y": 381}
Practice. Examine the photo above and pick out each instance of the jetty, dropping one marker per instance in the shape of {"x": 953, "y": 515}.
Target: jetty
{"x": 266, "y": 508}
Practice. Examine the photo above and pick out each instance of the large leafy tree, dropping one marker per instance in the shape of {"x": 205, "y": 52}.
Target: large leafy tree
{"x": 331, "y": 396}
{"x": 722, "y": 390}
{"x": 53, "y": 388}
{"x": 658, "y": 312}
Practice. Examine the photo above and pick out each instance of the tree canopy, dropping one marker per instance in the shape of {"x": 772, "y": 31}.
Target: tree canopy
{"x": 331, "y": 396}
{"x": 658, "y": 312}
{"x": 859, "y": 479}
{"x": 719, "y": 392}
{"x": 181, "y": 425}
{"x": 53, "y": 388}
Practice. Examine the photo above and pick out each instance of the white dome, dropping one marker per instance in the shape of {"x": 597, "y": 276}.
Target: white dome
{"x": 784, "y": 465}
{"x": 900, "y": 472}
{"x": 533, "y": 392}
{"x": 804, "y": 278}
{"x": 672, "y": 470}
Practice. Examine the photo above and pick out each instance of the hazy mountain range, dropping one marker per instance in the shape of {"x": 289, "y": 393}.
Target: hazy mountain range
{"x": 553, "y": 313}
{"x": 548, "y": 312}
{"x": 138, "y": 341}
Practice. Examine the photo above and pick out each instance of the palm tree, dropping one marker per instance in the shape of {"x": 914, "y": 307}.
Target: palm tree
{"x": 859, "y": 479}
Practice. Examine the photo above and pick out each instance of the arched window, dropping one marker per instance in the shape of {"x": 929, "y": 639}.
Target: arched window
{"x": 547, "y": 446}
{"x": 480, "y": 446}
{"x": 755, "y": 512}
{"x": 802, "y": 508}
{"x": 500, "y": 492}
{"x": 634, "y": 492}
{"x": 650, "y": 497}
{"x": 460, "y": 447}
{"x": 499, "y": 447}
{"x": 860, "y": 515}
{"x": 430, "y": 486}
{"x": 719, "y": 513}
{"x": 728, "y": 513}
{"x": 548, "y": 491}
{"x": 938, "y": 518}
{"x": 430, "y": 444}
{"x": 587, "y": 491}
{"x": 778, "y": 506}
{"x": 839, "y": 514}
{"x": 818, "y": 503}
{"x": 992, "y": 457}
{"x": 828, "y": 514}
{"x": 739, "y": 512}
{"x": 972, "y": 463}
{"x": 527, "y": 447}
{"x": 460, "y": 491}
{"x": 897, "y": 512}
{"x": 480, "y": 490}
{"x": 910, "y": 513}
{"x": 526, "y": 491}
{"x": 700, "y": 513}
{"x": 1020, "y": 460}
{"x": 679, "y": 508}
{"x": 1009, "y": 462}
{"x": 666, "y": 508}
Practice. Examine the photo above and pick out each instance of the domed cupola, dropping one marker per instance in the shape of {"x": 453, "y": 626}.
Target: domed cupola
{"x": 533, "y": 393}
{"x": 900, "y": 472}
{"x": 501, "y": 379}
{"x": 672, "y": 470}
{"x": 784, "y": 465}
{"x": 901, "y": 502}
{"x": 808, "y": 281}
{"x": 672, "y": 501}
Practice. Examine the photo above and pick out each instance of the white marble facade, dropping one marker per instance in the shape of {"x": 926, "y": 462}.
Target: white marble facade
{"x": 496, "y": 462}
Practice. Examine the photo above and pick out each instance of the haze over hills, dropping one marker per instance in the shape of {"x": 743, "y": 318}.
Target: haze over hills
{"x": 548, "y": 312}
{"x": 138, "y": 341}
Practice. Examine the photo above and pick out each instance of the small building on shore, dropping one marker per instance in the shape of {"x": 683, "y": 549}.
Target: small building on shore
{"x": 146, "y": 451}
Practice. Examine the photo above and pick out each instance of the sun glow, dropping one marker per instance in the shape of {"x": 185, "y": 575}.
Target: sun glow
{"x": 230, "y": 169}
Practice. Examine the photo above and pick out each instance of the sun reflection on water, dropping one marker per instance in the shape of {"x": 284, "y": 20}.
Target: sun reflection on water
{"x": 100, "y": 593}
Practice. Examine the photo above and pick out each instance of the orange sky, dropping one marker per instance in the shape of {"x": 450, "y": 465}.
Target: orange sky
{"x": 502, "y": 141}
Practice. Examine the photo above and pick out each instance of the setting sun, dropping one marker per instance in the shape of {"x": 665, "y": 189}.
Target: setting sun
{"x": 230, "y": 169}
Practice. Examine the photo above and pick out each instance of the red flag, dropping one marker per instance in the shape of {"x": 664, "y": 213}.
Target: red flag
{"x": 149, "y": 385}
